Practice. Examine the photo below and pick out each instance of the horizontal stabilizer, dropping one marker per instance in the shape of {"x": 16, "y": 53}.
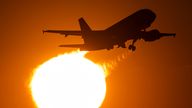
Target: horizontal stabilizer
{"x": 63, "y": 32}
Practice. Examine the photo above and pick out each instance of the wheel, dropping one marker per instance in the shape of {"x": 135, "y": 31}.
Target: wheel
{"x": 130, "y": 47}
{"x": 133, "y": 48}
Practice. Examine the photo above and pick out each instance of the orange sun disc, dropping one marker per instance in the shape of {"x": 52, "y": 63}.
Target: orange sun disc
{"x": 68, "y": 81}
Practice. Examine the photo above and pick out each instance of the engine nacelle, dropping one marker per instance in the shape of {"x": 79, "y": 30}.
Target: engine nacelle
{"x": 151, "y": 35}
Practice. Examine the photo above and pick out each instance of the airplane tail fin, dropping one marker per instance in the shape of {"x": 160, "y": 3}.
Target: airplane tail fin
{"x": 85, "y": 29}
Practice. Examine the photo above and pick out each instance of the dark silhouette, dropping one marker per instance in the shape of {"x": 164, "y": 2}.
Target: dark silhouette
{"x": 132, "y": 27}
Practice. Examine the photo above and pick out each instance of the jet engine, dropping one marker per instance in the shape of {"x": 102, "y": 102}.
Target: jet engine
{"x": 151, "y": 35}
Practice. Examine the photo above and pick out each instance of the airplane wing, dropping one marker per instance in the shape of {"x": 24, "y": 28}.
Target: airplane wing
{"x": 64, "y": 32}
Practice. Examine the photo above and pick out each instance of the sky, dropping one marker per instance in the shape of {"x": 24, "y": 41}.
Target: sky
{"x": 157, "y": 75}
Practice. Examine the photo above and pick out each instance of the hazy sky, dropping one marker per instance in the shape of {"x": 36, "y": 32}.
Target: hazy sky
{"x": 156, "y": 75}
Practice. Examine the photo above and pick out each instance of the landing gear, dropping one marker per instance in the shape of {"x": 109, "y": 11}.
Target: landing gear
{"x": 132, "y": 47}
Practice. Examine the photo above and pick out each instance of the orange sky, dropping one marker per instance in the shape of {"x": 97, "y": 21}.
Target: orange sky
{"x": 157, "y": 75}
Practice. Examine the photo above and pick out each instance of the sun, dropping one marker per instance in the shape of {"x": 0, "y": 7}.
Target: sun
{"x": 68, "y": 81}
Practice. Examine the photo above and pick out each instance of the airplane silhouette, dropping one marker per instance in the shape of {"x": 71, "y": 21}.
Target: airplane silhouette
{"x": 132, "y": 27}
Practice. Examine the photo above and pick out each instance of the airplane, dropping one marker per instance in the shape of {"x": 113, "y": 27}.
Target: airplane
{"x": 132, "y": 27}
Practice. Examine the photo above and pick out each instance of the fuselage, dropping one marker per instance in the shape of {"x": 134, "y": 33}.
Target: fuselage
{"x": 124, "y": 30}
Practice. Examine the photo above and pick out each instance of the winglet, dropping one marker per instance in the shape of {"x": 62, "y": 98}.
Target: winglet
{"x": 43, "y": 31}
{"x": 174, "y": 34}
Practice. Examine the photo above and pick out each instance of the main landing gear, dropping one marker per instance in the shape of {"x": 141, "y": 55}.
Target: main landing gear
{"x": 132, "y": 47}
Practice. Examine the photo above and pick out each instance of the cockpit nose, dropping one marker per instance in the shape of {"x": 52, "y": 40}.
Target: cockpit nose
{"x": 148, "y": 15}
